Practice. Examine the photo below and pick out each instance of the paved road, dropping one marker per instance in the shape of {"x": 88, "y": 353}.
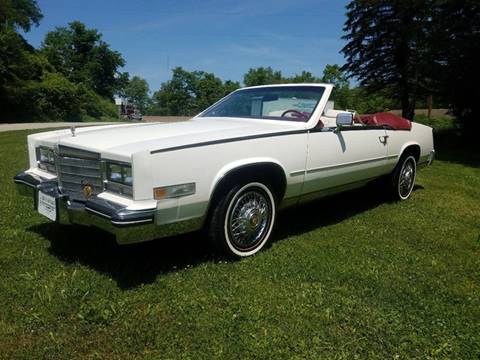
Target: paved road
{"x": 151, "y": 118}
{"x": 40, "y": 125}
{"x": 46, "y": 125}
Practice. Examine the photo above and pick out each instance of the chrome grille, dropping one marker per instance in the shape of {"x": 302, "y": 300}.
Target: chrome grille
{"x": 75, "y": 168}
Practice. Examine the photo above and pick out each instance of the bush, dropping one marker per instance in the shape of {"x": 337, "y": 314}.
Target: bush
{"x": 93, "y": 105}
{"x": 53, "y": 98}
{"x": 368, "y": 103}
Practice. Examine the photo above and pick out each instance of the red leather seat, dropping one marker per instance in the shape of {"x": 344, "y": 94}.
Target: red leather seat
{"x": 391, "y": 120}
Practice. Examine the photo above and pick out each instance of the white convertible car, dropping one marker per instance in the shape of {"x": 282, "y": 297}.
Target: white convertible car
{"x": 228, "y": 170}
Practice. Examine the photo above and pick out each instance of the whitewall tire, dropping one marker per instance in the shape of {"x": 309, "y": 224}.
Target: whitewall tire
{"x": 403, "y": 178}
{"x": 243, "y": 219}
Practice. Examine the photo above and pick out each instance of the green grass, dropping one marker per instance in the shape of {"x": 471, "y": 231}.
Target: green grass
{"x": 353, "y": 276}
{"x": 439, "y": 123}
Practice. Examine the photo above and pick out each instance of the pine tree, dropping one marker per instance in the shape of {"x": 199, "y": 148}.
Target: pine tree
{"x": 386, "y": 47}
{"x": 456, "y": 45}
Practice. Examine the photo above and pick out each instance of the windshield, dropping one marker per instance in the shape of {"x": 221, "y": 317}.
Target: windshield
{"x": 294, "y": 103}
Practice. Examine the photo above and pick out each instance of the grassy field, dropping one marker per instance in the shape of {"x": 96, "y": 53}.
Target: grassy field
{"x": 353, "y": 276}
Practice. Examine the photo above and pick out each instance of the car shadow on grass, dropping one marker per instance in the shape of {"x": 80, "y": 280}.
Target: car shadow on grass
{"x": 136, "y": 264}
{"x": 331, "y": 210}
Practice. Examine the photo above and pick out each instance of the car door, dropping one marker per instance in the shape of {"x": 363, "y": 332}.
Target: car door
{"x": 342, "y": 159}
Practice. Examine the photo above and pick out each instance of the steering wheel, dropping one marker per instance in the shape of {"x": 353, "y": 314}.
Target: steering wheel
{"x": 295, "y": 113}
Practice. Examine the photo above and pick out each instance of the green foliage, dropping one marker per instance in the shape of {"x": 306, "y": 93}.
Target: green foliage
{"x": 230, "y": 86}
{"x": 136, "y": 91}
{"x": 415, "y": 49}
{"x": 365, "y": 102}
{"x": 386, "y": 43}
{"x": 351, "y": 277}
{"x": 439, "y": 123}
{"x": 19, "y": 65}
{"x": 19, "y": 14}
{"x": 262, "y": 76}
{"x": 333, "y": 74}
{"x": 304, "y": 77}
{"x": 176, "y": 96}
{"x": 72, "y": 78}
{"x": 189, "y": 93}
{"x": 54, "y": 97}
{"x": 456, "y": 45}
{"x": 82, "y": 56}
{"x": 94, "y": 105}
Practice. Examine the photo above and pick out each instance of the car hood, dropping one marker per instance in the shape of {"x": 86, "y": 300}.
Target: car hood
{"x": 126, "y": 139}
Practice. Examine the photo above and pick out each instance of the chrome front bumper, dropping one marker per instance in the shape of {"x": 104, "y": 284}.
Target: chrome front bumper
{"x": 128, "y": 226}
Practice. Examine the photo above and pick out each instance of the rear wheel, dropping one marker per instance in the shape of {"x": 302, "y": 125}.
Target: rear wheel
{"x": 403, "y": 178}
{"x": 243, "y": 219}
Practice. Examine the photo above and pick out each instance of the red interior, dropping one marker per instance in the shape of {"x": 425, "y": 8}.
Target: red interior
{"x": 394, "y": 121}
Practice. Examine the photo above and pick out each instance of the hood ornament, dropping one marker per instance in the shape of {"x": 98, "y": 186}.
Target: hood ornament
{"x": 72, "y": 130}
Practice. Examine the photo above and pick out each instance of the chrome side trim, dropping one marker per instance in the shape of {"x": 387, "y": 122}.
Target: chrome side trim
{"x": 358, "y": 162}
{"x": 132, "y": 222}
{"x": 297, "y": 173}
{"x": 97, "y": 212}
{"x": 314, "y": 195}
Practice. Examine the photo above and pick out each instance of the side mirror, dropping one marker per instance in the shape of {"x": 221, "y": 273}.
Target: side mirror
{"x": 344, "y": 119}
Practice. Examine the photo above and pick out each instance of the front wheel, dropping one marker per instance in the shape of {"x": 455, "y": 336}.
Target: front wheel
{"x": 403, "y": 178}
{"x": 243, "y": 219}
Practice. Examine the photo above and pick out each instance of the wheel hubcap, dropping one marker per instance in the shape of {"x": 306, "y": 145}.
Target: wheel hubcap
{"x": 249, "y": 219}
{"x": 407, "y": 178}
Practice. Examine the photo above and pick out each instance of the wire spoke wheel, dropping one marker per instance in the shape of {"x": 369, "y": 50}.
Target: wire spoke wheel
{"x": 249, "y": 218}
{"x": 406, "y": 178}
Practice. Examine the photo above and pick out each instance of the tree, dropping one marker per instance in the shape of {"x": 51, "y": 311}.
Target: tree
{"x": 333, "y": 74}
{"x": 82, "y": 56}
{"x": 20, "y": 65}
{"x": 207, "y": 89}
{"x": 386, "y": 47}
{"x": 455, "y": 33}
{"x": 19, "y": 14}
{"x": 367, "y": 103}
{"x": 262, "y": 76}
{"x": 68, "y": 87}
{"x": 189, "y": 93}
{"x": 176, "y": 96}
{"x": 230, "y": 86}
{"x": 304, "y": 77}
{"x": 136, "y": 91}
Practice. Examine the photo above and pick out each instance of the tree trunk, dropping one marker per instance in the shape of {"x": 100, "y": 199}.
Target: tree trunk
{"x": 429, "y": 106}
{"x": 408, "y": 106}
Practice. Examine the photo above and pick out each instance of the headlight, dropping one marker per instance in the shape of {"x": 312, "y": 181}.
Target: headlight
{"x": 118, "y": 178}
{"x": 46, "y": 159}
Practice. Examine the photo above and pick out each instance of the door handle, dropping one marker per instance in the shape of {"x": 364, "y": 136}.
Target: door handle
{"x": 383, "y": 139}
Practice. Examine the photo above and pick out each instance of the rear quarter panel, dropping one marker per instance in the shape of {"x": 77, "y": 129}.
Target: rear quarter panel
{"x": 399, "y": 140}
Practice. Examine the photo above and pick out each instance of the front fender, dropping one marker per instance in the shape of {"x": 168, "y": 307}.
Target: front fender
{"x": 241, "y": 163}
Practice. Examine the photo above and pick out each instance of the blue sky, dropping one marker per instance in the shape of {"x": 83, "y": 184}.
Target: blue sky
{"x": 226, "y": 37}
